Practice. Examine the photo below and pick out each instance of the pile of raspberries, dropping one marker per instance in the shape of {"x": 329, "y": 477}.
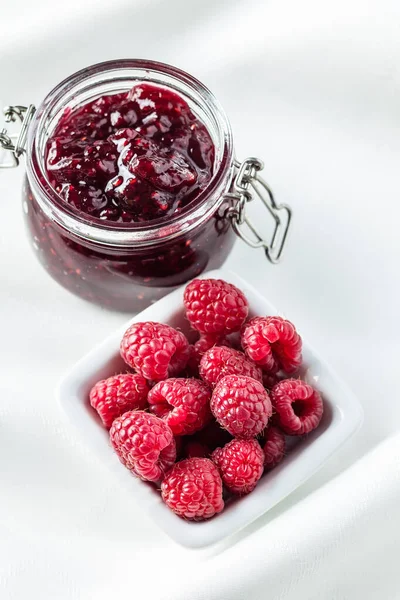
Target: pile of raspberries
{"x": 205, "y": 421}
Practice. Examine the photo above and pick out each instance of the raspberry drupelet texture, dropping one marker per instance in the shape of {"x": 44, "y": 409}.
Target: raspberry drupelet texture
{"x": 207, "y": 341}
{"x": 218, "y": 362}
{"x": 155, "y": 350}
{"x": 116, "y": 395}
{"x": 144, "y": 444}
{"x": 215, "y": 306}
{"x": 184, "y": 404}
{"x": 272, "y": 343}
{"x": 197, "y": 350}
{"x": 241, "y": 464}
{"x": 241, "y": 405}
{"x": 193, "y": 489}
{"x": 298, "y": 405}
{"x": 274, "y": 446}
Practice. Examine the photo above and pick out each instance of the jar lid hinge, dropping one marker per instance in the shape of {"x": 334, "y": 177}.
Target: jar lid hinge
{"x": 14, "y": 143}
{"x": 248, "y": 185}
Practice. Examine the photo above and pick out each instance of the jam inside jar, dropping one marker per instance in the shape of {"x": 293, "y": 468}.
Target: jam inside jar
{"x": 128, "y": 165}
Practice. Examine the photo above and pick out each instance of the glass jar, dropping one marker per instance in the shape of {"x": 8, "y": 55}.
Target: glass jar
{"x": 127, "y": 266}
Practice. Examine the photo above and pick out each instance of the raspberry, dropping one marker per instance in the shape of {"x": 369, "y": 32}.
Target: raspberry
{"x": 241, "y": 405}
{"x": 184, "y": 404}
{"x": 215, "y": 306}
{"x": 273, "y": 343}
{"x": 207, "y": 341}
{"x": 241, "y": 464}
{"x": 221, "y": 361}
{"x": 157, "y": 351}
{"x": 193, "y": 489}
{"x": 116, "y": 395}
{"x": 274, "y": 447}
{"x": 195, "y": 449}
{"x": 204, "y": 343}
{"x": 144, "y": 444}
{"x": 299, "y": 406}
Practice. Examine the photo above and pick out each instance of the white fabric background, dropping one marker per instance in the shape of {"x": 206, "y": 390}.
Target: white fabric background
{"x": 312, "y": 88}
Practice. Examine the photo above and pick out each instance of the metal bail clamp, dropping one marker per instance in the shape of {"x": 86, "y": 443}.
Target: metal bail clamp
{"x": 14, "y": 144}
{"x": 246, "y": 186}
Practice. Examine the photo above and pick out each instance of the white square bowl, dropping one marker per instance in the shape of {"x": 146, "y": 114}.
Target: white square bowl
{"x": 343, "y": 415}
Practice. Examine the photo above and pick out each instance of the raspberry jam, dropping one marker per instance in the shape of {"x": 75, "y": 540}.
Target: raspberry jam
{"x": 128, "y": 166}
{"x": 131, "y": 157}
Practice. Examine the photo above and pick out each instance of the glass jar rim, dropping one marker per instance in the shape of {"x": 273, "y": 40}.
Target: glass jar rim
{"x": 149, "y": 232}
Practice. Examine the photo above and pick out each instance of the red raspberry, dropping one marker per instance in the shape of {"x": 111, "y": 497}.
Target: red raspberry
{"x": 204, "y": 343}
{"x": 193, "y": 489}
{"x": 241, "y": 464}
{"x": 184, "y": 404}
{"x": 273, "y": 343}
{"x": 209, "y": 340}
{"x": 221, "y": 361}
{"x": 144, "y": 443}
{"x": 157, "y": 351}
{"x": 193, "y": 449}
{"x": 241, "y": 405}
{"x": 274, "y": 447}
{"x": 215, "y": 306}
{"x": 299, "y": 406}
{"x": 113, "y": 396}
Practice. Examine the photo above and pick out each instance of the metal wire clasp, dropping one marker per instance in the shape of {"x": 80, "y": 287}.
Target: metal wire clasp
{"x": 246, "y": 186}
{"x": 15, "y": 143}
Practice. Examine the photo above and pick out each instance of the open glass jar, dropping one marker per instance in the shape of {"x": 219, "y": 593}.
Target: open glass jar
{"x": 126, "y": 266}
